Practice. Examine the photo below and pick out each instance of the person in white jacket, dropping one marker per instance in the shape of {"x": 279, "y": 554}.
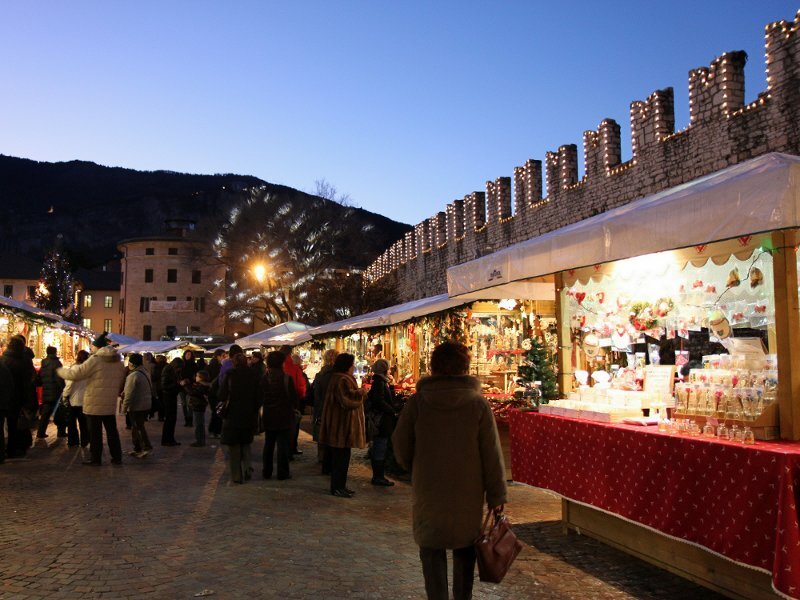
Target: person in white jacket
{"x": 77, "y": 428}
{"x": 104, "y": 375}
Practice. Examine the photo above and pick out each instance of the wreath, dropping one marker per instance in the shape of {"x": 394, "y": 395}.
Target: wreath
{"x": 645, "y": 316}
{"x": 642, "y": 317}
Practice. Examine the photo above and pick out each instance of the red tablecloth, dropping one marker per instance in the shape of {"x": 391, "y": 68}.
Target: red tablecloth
{"x": 737, "y": 501}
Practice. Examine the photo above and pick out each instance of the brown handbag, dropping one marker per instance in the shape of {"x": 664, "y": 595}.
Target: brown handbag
{"x": 496, "y": 548}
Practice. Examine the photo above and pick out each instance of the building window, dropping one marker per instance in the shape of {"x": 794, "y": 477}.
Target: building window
{"x": 148, "y": 275}
{"x": 196, "y": 277}
{"x": 144, "y": 304}
{"x": 31, "y": 292}
{"x": 87, "y": 301}
{"x": 149, "y": 251}
{"x": 171, "y": 298}
{"x": 107, "y": 325}
{"x": 87, "y": 323}
{"x": 200, "y": 304}
{"x": 195, "y": 329}
{"x": 172, "y": 251}
{"x": 172, "y": 275}
{"x": 171, "y": 331}
{"x": 108, "y": 302}
{"x": 147, "y": 333}
{"x": 8, "y": 291}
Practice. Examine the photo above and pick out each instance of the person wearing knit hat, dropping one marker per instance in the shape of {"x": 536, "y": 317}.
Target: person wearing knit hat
{"x": 380, "y": 417}
{"x": 101, "y": 341}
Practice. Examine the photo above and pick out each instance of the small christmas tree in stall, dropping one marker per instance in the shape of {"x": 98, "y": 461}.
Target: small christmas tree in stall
{"x": 538, "y": 366}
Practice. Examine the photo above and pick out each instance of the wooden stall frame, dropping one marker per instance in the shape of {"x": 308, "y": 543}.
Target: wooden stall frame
{"x": 685, "y": 560}
{"x": 787, "y": 326}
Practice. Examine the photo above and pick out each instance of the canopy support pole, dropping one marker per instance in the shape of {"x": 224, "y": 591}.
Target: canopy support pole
{"x": 787, "y": 329}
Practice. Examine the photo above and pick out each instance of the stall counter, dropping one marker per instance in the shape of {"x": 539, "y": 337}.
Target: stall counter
{"x": 737, "y": 502}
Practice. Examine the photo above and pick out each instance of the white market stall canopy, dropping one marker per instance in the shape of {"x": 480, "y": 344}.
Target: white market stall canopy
{"x": 391, "y": 315}
{"x": 275, "y": 336}
{"x": 122, "y": 340}
{"x": 759, "y": 195}
{"x": 157, "y": 347}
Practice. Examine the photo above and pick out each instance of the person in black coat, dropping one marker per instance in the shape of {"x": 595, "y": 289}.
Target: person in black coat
{"x": 320, "y": 388}
{"x": 279, "y": 403}
{"x": 239, "y": 394}
{"x": 170, "y": 388}
{"x": 380, "y": 420}
{"x": 52, "y": 386}
{"x": 6, "y": 402}
{"x": 159, "y": 363}
{"x": 188, "y": 371}
{"x": 17, "y": 359}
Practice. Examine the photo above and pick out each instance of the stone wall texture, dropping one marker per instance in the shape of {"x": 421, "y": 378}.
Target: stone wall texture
{"x": 723, "y": 131}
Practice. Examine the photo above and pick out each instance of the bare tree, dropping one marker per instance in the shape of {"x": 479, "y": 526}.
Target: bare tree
{"x": 325, "y": 189}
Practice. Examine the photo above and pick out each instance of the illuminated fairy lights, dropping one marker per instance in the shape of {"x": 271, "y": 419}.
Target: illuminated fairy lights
{"x": 714, "y": 91}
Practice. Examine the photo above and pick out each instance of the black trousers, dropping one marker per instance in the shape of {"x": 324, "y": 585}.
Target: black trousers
{"x": 138, "y": 431}
{"x": 280, "y": 438}
{"x": 44, "y": 419}
{"x": 18, "y": 441}
{"x": 214, "y": 423}
{"x": 170, "y": 419}
{"x": 188, "y": 415}
{"x": 3, "y": 418}
{"x": 96, "y": 425}
{"x": 434, "y": 569}
{"x": 77, "y": 428}
{"x": 340, "y": 463}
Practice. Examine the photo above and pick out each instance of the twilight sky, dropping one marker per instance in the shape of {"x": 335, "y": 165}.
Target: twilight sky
{"x": 405, "y": 106}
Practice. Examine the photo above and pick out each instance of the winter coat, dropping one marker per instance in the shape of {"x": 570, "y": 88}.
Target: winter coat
{"x": 380, "y": 410}
{"x": 52, "y": 384}
{"x": 6, "y": 388}
{"x": 279, "y": 400}
{"x": 240, "y": 390}
{"x": 158, "y": 370}
{"x": 23, "y": 374}
{"x": 447, "y": 436}
{"x": 343, "y": 414}
{"x": 169, "y": 384}
{"x": 213, "y": 368}
{"x": 189, "y": 369}
{"x": 320, "y": 387}
{"x": 138, "y": 393}
{"x": 296, "y": 373}
{"x": 198, "y": 395}
{"x": 74, "y": 391}
{"x": 104, "y": 373}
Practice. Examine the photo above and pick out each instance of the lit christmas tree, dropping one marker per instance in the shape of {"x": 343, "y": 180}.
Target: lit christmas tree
{"x": 538, "y": 366}
{"x": 55, "y": 292}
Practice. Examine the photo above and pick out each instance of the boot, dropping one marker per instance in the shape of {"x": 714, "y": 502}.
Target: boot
{"x": 378, "y": 477}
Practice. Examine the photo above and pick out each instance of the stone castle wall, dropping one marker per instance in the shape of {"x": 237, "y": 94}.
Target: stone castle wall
{"x": 722, "y": 131}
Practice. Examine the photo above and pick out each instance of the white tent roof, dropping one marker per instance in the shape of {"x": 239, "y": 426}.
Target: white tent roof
{"x": 157, "y": 347}
{"x": 391, "y": 315}
{"x": 267, "y": 337}
{"x": 762, "y": 194}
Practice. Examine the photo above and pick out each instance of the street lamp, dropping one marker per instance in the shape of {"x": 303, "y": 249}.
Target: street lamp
{"x": 260, "y": 272}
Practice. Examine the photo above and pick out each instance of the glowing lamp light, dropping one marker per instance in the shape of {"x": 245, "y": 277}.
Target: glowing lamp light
{"x": 260, "y": 272}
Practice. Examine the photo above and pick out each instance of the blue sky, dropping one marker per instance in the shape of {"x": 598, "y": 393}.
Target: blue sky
{"x": 405, "y": 106}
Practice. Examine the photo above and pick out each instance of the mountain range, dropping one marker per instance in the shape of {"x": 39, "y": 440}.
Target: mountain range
{"x": 90, "y": 208}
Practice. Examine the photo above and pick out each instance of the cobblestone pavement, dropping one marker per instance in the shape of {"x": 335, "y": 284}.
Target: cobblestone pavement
{"x": 171, "y": 526}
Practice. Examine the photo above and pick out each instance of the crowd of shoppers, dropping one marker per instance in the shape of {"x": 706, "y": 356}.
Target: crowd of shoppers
{"x": 446, "y": 422}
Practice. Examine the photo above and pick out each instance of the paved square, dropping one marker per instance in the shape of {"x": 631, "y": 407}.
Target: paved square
{"x": 171, "y": 526}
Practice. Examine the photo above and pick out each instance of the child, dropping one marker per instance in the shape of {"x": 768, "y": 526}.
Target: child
{"x": 198, "y": 400}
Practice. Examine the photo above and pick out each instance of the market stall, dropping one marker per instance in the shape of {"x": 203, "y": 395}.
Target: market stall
{"x": 41, "y": 329}
{"x": 678, "y": 311}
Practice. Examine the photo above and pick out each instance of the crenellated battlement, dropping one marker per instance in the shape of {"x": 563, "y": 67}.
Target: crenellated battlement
{"x": 722, "y": 131}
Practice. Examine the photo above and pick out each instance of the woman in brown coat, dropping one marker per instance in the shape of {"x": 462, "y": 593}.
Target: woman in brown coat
{"x": 448, "y": 438}
{"x": 342, "y": 426}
